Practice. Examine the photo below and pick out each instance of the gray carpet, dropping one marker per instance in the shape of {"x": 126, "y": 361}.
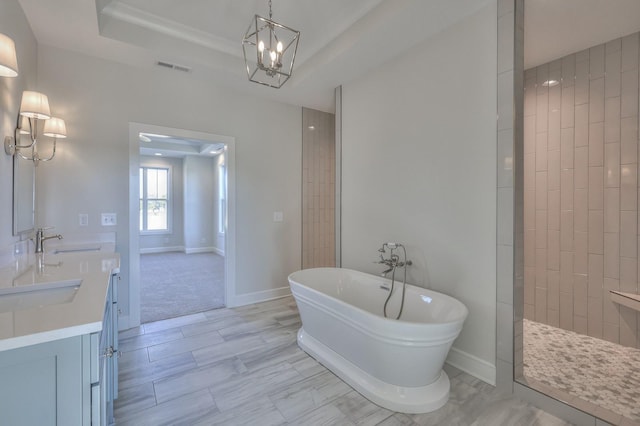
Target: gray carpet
{"x": 175, "y": 284}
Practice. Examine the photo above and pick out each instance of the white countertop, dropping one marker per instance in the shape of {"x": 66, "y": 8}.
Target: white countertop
{"x": 30, "y": 318}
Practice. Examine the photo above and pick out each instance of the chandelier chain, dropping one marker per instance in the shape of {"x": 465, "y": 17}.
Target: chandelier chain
{"x": 270, "y": 14}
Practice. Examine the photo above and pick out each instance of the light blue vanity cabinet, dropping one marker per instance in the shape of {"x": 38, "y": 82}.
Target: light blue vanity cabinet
{"x": 70, "y": 381}
{"x": 104, "y": 382}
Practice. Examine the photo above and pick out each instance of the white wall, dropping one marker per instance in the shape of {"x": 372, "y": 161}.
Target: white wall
{"x": 199, "y": 204}
{"x": 174, "y": 238}
{"x": 90, "y": 174}
{"x": 14, "y": 24}
{"x": 418, "y": 167}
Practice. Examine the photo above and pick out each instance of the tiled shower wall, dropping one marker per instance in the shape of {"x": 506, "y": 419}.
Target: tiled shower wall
{"x": 318, "y": 188}
{"x": 581, "y": 191}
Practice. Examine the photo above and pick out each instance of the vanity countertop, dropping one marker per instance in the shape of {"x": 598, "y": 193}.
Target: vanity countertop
{"x": 76, "y": 307}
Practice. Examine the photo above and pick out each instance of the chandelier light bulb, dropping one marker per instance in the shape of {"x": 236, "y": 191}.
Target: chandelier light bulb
{"x": 261, "y": 46}
{"x": 279, "y": 47}
{"x": 273, "y": 55}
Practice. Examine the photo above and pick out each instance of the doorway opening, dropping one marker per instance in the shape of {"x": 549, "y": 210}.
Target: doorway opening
{"x": 174, "y": 284}
{"x": 182, "y": 222}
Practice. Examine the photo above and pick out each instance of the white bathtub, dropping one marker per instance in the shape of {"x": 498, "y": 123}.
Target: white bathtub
{"x": 396, "y": 364}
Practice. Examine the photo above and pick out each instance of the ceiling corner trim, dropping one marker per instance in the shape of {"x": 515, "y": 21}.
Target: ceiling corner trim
{"x": 134, "y": 16}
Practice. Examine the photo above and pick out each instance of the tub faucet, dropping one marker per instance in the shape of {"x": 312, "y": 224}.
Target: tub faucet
{"x": 40, "y": 238}
{"x": 384, "y": 273}
{"x": 393, "y": 261}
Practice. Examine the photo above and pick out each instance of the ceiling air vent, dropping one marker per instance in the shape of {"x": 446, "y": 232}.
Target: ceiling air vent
{"x": 173, "y": 66}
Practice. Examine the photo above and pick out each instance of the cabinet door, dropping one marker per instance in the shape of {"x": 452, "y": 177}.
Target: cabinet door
{"x": 41, "y": 384}
{"x": 109, "y": 354}
{"x": 106, "y": 351}
{"x": 115, "y": 278}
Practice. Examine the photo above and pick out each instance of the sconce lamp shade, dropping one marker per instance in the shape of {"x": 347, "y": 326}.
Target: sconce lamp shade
{"x": 55, "y": 128}
{"x": 25, "y": 126}
{"x": 33, "y": 108}
{"x": 35, "y": 105}
{"x": 8, "y": 60}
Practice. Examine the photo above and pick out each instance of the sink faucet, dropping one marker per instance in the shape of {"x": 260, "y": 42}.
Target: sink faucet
{"x": 40, "y": 238}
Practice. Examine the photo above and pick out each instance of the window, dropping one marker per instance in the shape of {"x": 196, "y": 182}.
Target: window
{"x": 154, "y": 199}
{"x": 222, "y": 198}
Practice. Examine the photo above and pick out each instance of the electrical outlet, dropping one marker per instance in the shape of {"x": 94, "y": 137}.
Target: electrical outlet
{"x": 109, "y": 219}
{"x": 278, "y": 216}
{"x": 83, "y": 219}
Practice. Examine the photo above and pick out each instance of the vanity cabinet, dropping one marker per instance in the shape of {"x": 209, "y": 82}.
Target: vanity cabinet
{"x": 70, "y": 381}
{"x": 104, "y": 377}
{"x": 40, "y": 383}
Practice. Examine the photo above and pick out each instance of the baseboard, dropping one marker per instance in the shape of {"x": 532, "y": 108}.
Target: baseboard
{"x": 258, "y": 296}
{"x": 161, "y": 249}
{"x": 192, "y": 250}
{"x": 218, "y": 251}
{"x": 473, "y": 365}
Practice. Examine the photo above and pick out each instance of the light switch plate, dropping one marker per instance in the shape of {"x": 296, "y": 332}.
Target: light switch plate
{"x": 83, "y": 219}
{"x": 109, "y": 219}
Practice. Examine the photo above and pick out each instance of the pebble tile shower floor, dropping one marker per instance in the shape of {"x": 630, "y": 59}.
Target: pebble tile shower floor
{"x": 593, "y": 370}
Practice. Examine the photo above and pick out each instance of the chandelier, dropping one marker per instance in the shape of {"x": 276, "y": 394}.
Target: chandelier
{"x": 269, "y": 51}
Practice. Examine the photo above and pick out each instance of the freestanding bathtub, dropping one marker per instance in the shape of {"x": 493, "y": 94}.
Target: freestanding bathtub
{"x": 396, "y": 364}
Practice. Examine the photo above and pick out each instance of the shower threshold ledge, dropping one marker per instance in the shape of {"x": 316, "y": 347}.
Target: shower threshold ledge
{"x": 630, "y": 300}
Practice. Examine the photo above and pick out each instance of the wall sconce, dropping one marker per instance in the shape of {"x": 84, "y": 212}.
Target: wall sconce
{"x": 53, "y": 128}
{"x": 33, "y": 109}
{"x": 8, "y": 60}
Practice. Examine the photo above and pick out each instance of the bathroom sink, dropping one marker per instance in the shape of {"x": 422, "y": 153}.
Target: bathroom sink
{"x": 75, "y": 249}
{"x": 27, "y": 296}
{"x": 38, "y": 287}
{"x": 81, "y": 247}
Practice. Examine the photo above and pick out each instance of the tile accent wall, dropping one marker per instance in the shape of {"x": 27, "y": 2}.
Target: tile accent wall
{"x": 318, "y": 188}
{"x": 581, "y": 191}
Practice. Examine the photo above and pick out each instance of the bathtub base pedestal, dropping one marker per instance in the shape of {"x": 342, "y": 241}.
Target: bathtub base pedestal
{"x": 413, "y": 400}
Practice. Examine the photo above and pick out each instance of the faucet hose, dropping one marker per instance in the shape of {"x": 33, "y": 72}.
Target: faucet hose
{"x": 393, "y": 280}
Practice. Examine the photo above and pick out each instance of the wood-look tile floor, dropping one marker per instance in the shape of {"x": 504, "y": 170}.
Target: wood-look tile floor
{"x": 242, "y": 366}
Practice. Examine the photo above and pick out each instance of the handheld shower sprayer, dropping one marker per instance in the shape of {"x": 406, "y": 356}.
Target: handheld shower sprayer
{"x": 390, "y": 246}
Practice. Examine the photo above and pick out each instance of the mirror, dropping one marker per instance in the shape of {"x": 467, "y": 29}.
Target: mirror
{"x": 24, "y": 173}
